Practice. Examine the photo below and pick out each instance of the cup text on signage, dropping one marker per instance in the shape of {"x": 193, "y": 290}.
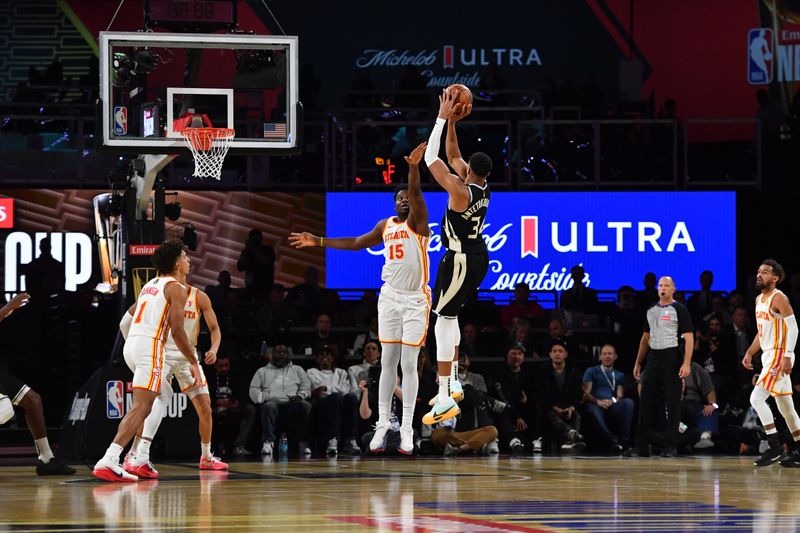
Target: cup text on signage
{"x": 73, "y": 250}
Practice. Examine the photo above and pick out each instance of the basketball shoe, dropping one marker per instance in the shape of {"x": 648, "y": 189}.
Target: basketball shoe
{"x": 406, "y": 441}
{"x": 110, "y": 471}
{"x": 378, "y": 442}
{"x": 212, "y": 463}
{"x": 144, "y": 470}
{"x": 456, "y": 392}
{"x": 441, "y": 411}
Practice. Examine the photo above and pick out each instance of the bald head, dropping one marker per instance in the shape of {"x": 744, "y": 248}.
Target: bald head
{"x": 666, "y": 289}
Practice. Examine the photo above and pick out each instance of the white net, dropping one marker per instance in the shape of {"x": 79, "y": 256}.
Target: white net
{"x": 209, "y": 147}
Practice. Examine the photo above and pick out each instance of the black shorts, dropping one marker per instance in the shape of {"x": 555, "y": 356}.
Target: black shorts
{"x": 457, "y": 279}
{"x": 12, "y": 387}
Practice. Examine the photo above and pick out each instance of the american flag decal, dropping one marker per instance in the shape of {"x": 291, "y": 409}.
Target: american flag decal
{"x": 273, "y": 130}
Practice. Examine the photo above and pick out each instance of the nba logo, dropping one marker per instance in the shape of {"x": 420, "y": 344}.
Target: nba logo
{"x": 759, "y": 56}
{"x": 114, "y": 399}
{"x": 120, "y": 120}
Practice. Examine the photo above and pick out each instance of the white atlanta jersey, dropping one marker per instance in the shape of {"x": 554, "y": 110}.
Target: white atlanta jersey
{"x": 406, "y": 255}
{"x": 151, "y": 316}
{"x": 191, "y": 321}
{"x": 771, "y": 327}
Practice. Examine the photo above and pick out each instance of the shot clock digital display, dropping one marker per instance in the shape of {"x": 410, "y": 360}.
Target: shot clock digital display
{"x": 196, "y": 13}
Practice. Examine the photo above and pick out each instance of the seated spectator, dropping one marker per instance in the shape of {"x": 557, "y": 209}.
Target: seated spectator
{"x": 521, "y": 307}
{"x": 557, "y": 330}
{"x": 520, "y": 335}
{"x": 334, "y": 409}
{"x": 281, "y": 391}
{"x": 469, "y": 340}
{"x": 715, "y": 350}
{"x": 605, "y": 404}
{"x": 274, "y": 317}
{"x": 371, "y": 354}
{"x": 719, "y": 309}
{"x": 370, "y": 334}
{"x": 743, "y": 333}
{"x": 472, "y": 431}
{"x": 699, "y": 406}
{"x": 305, "y": 299}
{"x": 560, "y": 392}
{"x": 518, "y": 421}
{"x": 699, "y": 303}
{"x": 233, "y": 413}
{"x": 322, "y": 336}
{"x": 579, "y": 298}
{"x": 647, "y": 296}
{"x": 216, "y": 293}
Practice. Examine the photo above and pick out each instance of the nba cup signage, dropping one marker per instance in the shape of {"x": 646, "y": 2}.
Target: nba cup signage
{"x": 536, "y": 238}
{"x": 118, "y": 403}
{"x": 72, "y": 249}
{"x": 765, "y": 56}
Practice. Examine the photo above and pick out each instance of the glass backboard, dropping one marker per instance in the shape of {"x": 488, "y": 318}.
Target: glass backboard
{"x": 153, "y": 84}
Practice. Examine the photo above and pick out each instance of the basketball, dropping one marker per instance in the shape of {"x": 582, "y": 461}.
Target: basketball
{"x": 463, "y": 94}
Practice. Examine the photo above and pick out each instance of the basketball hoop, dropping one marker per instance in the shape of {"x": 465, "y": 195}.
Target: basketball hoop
{"x": 209, "y": 147}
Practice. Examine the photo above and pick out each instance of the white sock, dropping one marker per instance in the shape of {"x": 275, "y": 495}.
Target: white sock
{"x": 43, "y": 447}
{"x": 408, "y": 363}
{"x": 135, "y": 446}
{"x": 444, "y": 389}
{"x": 205, "y": 450}
{"x": 143, "y": 451}
{"x": 113, "y": 452}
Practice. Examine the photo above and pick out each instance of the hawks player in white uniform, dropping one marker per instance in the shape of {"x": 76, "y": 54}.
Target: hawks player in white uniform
{"x": 405, "y": 302}
{"x": 777, "y": 335}
{"x": 198, "y": 304}
{"x": 159, "y": 309}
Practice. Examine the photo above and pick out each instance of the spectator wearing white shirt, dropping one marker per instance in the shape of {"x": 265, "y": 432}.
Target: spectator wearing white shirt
{"x": 334, "y": 407}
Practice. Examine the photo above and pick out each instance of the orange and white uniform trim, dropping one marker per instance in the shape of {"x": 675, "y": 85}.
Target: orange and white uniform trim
{"x": 175, "y": 360}
{"x": 144, "y": 348}
{"x": 405, "y": 300}
{"x": 772, "y": 332}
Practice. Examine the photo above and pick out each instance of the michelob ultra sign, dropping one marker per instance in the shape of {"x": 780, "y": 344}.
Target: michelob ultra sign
{"x": 536, "y": 238}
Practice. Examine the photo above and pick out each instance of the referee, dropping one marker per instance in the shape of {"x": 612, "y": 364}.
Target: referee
{"x": 667, "y": 331}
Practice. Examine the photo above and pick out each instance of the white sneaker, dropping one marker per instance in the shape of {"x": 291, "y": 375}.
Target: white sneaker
{"x": 537, "y": 445}
{"x": 332, "y": 448}
{"x": 406, "y": 442}
{"x": 516, "y": 445}
{"x": 378, "y": 442}
{"x": 441, "y": 411}
{"x": 111, "y": 471}
{"x": 266, "y": 449}
{"x": 705, "y": 441}
{"x": 303, "y": 449}
{"x": 573, "y": 436}
{"x": 490, "y": 448}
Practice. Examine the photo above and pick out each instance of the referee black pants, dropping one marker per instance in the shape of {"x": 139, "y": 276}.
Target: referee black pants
{"x": 660, "y": 380}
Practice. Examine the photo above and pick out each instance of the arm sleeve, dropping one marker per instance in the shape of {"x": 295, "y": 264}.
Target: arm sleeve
{"x": 125, "y": 324}
{"x": 791, "y": 333}
{"x": 684, "y": 320}
{"x": 432, "y": 150}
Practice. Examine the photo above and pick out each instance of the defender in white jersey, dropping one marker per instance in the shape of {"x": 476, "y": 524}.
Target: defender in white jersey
{"x": 777, "y": 335}
{"x": 159, "y": 309}
{"x": 198, "y": 305}
{"x": 405, "y": 301}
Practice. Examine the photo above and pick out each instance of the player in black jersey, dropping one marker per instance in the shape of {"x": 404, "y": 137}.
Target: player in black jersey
{"x": 466, "y": 261}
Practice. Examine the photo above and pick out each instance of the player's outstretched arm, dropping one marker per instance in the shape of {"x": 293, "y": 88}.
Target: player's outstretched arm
{"x": 16, "y": 302}
{"x": 451, "y": 148}
{"x": 367, "y": 240}
{"x": 458, "y": 192}
{"x": 204, "y": 306}
{"x": 418, "y": 217}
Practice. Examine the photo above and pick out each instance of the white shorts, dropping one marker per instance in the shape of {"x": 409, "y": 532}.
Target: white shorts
{"x": 403, "y": 316}
{"x": 145, "y": 357}
{"x": 179, "y": 368}
{"x": 770, "y": 378}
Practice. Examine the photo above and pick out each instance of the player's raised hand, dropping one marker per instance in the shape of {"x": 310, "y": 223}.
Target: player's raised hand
{"x": 447, "y": 104}
{"x": 303, "y": 240}
{"x": 461, "y": 111}
{"x": 416, "y": 154}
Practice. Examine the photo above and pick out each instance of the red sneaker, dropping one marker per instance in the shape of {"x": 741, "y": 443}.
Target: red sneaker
{"x": 108, "y": 471}
{"x": 212, "y": 463}
{"x": 144, "y": 470}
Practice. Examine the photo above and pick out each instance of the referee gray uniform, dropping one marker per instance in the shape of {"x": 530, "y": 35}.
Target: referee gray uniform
{"x": 666, "y": 325}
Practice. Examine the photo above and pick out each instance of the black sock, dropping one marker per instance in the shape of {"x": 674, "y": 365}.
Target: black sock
{"x": 774, "y": 440}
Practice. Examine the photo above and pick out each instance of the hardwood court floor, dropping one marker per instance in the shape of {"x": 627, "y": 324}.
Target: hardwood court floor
{"x": 437, "y": 495}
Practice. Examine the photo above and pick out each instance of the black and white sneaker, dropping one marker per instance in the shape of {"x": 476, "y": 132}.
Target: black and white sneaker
{"x": 53, "y": 467}
{"x": 769, "y": 457}
{"x": 791, "y": 460}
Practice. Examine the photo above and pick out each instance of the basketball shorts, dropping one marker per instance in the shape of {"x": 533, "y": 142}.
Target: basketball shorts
{"x": 145, "y": 357}
{"x": 403, "y": 316}
{"x": 179, "y": 367}
{"x": 777, "y": 384}
{"x": 12, "y": 387}
{"x": 457, "y": 280}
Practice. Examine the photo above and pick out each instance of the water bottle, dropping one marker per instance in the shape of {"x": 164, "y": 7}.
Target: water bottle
{"x": 283, "y": 448}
